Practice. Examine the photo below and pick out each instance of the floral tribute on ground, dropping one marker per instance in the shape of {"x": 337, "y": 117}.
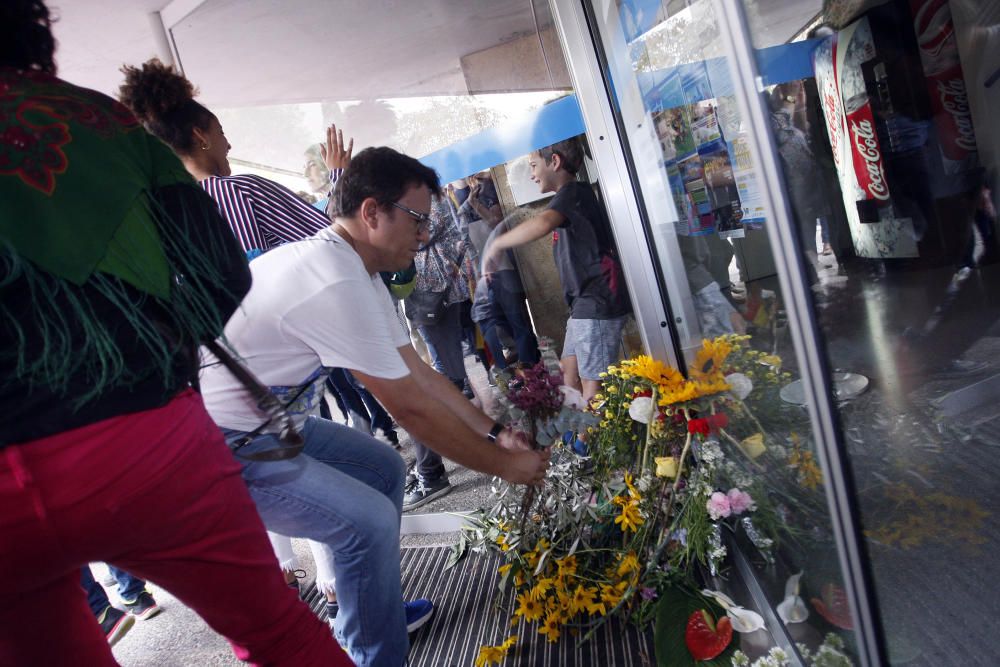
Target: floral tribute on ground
{"x": 643, "y": 485}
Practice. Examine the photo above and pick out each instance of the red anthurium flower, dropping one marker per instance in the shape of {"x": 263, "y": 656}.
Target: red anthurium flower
{"x": 705, "y": 638}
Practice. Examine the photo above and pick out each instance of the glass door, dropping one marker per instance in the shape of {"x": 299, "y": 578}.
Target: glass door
{"x": 675, "y": 83}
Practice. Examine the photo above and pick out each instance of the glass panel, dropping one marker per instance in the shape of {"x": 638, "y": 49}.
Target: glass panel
{"x": 467, "y": 92}
{"x": 701, "y": 188}
{"x": 886, "y": 133}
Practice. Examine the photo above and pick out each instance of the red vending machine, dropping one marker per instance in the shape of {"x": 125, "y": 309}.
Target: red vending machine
{"x": 900, "y": 128}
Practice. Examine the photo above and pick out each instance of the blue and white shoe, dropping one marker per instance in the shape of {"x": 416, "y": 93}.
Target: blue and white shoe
{"x": 417, "y": 612}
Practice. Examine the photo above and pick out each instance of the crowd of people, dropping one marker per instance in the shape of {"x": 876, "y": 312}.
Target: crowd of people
{"x": 169, "y": 331}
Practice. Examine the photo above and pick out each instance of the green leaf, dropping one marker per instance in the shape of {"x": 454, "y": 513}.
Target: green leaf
{"x": 457, "y": 552}
{"x": 674, "y": 608}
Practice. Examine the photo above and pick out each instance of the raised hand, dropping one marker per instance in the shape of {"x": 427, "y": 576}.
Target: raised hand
{"x": 335, "y": 154}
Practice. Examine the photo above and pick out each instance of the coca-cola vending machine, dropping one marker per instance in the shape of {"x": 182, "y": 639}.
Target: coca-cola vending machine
{"x": 900, "y": 128}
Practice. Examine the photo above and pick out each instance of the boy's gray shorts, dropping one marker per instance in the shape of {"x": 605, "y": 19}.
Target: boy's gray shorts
{"x": 596, "y": 344}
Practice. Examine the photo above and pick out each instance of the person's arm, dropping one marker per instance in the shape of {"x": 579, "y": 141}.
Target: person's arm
{"x": 491, "y": 214}
{"x": 254, "y": 205}
{"x": 433, "y": 411}
{"x": 530, "y": 230}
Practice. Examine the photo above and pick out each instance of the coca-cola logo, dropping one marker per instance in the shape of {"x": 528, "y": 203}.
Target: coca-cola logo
{"x": 867, "y": 145}
{"x": 955, "y": 100}
{"x": 833, "y": 125}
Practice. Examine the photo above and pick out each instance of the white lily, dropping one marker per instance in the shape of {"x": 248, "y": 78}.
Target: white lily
{"x": 744, "y": 620}
{"x": 793, "y": 608}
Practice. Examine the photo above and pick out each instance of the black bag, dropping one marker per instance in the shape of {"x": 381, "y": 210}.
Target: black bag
{"x": 425, "y": 307}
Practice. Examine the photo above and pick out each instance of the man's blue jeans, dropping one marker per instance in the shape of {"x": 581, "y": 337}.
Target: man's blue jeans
{"x": 345, "y": 492}
{"x": 129, "y": 588}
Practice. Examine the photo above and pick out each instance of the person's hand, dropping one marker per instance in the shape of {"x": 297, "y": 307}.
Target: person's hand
{"x": 514, "y": 440}
{"x": 335, "y": 154}
{"x": 523, "y": 467}
{"x": 476, "y": 189}
{"x": 491, "y": 259}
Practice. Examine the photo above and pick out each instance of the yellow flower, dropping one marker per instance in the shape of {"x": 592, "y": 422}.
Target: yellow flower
{"x": 489, "y": 655}
{"x": 597, "y": 607}
{"x": 754, "y": 445}
{"x": 708, "y": 362}
{"x": 566, "y": 566}
{"x": 583, "y": 598}
{"x": 502, "y": 541}
{"x": 632, "y": 491}
{"x": 629, "y": 563}
{"x": 494, "y": 654}
{"x": 542, "y": 544}
{"x": 540, "y": 588}
{"x": 610, "y": 595}
{"x": 666, "y": 466}
{"x": 504, "y": 569}
{"x": 529, "y": 607}
{"x": 654, "y": 370}
{"x": 611, "y": 389}
{"x": 550, "y": 628}
{"x": 630, "y": 518}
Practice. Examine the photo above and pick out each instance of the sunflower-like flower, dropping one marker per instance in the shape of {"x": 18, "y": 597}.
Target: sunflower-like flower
{"x": 708, "y": 362}
{"x": 583, "y": 599}
{"x": 653, "y": 370}
{"x": 550, "y": 627}
{"x": 529, "y": 607}
{"x": 566, "y": 566}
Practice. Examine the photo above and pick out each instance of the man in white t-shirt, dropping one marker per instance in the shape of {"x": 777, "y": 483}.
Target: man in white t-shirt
{"x": 317, "y": 304}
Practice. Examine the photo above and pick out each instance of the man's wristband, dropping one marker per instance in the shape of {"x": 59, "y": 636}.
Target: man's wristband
{"x": 495, "y": 432}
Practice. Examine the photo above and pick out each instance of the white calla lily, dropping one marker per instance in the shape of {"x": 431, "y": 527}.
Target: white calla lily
{"x": 743, "y": 619}
{"x": 793, "y": 608}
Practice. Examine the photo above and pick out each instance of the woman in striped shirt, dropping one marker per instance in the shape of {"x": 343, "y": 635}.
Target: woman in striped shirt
{"x": 262, "y": 213}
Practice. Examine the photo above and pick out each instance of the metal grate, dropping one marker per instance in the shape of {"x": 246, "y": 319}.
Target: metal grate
{"x": 469, "y": 615}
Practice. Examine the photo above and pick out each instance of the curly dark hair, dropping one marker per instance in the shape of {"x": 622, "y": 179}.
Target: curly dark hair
{"x": 26, "y": 40}
{"x": 381, "y": 173}
{"x": 163, "y": 100}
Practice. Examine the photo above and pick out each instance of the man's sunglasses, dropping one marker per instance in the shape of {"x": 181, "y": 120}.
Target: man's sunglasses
{"x": 422, "y": 219}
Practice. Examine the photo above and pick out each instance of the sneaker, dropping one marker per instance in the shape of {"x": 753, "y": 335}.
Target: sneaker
{"x": 114, "y": 624}
{"x": 424, "y": 492}
{"x": 417, "y": 613}
{"x": 143, "y": 607}
{"x": 411, "y": 480}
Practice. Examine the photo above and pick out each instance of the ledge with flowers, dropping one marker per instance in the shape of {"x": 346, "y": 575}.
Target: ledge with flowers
{"x": 635, "y": 519}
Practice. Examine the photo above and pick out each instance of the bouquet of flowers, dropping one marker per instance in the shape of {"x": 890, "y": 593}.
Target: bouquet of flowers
{"x": 635, "y": 527}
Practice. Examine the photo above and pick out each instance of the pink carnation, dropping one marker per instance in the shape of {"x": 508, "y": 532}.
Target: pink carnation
{"x": 718, "y": 506}
{"x": 740, "y": 501}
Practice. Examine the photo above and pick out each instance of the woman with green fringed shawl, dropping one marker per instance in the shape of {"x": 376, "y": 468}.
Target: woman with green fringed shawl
{"x": 114, "y": 267}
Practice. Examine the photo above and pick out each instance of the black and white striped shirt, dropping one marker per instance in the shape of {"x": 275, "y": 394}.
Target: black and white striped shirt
{"x": 262, "y": 213}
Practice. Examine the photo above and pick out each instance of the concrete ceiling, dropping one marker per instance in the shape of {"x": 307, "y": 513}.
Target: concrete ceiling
{"x": 252, "y": 52}
{"x": 255, "y": 52}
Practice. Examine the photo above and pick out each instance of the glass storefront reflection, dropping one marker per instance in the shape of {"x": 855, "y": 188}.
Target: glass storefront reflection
{"x": 906, "y": 296}
{"x": 881, "y": 118}
{"x": 672, "y": 74}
